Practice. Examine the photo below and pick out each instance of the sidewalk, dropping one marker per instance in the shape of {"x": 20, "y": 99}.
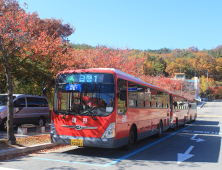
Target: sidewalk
{"x": 3, "y": 135}
{"x": 26, "y": 149}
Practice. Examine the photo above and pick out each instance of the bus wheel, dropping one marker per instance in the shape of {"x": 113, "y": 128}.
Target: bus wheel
{"x": 4, "y": 124}
{"x": 190, "y": 119}
{"x": 195, "y": 118}
{"x": 176, "y": 125}
{"x": 160, "y": 130}
{"x": 184, "y": 121}
{"x": 131, "y": 139}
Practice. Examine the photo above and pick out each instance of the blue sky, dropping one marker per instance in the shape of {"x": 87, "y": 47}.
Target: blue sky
{"x": 137, "y": 24}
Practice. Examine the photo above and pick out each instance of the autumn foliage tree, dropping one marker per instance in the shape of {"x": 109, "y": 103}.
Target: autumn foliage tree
{"x": 99, "y": 57}
{"x": 21, "y": 40}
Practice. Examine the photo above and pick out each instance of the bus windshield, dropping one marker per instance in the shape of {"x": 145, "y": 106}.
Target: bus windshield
{"x": 84, "y": 94}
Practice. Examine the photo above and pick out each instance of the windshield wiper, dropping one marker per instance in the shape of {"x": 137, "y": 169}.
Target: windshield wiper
{"x": 68, "y": 112}
{"x": 92, "y": 112}
{"x": 65, "y": 113}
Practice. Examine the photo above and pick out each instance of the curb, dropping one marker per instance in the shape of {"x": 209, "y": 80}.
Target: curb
{"x": 26, "y": 149}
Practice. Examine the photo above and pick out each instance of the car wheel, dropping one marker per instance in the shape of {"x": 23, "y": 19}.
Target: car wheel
{"x": 41, "y": 121}
{"x": 4, "y": 125}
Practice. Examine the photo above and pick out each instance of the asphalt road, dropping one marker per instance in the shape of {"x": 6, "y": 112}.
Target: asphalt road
{"x": 194, "y": 146}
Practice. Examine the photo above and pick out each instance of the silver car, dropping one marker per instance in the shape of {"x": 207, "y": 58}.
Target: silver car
{"x": 28, "y": 109}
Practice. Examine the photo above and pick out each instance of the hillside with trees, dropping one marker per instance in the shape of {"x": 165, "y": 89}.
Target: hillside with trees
{"x": 34, "y": 50}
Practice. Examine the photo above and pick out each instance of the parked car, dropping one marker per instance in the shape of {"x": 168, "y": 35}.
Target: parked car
{"x": 28, "y": 109}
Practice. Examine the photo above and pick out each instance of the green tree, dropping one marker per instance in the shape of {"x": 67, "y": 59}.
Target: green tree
{"x": 159, "y": 65}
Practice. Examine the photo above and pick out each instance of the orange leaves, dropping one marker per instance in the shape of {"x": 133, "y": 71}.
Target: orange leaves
{"x": 100, "y": 57}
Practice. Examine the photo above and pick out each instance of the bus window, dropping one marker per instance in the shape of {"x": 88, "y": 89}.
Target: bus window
{"x": 85, "y": 94}
{"x": 136, "y": 95}
{"x": 121, "y": 96}
{"x": 132, "y": 99}
{"x": 147, "y": 104}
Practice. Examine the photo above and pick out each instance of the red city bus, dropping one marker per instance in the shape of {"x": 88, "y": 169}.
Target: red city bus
{"x": 179, "y": 112}
{"x": 183, "y": 111}
{"x": 107, "y": 108}
{"x": 192, "y": 110}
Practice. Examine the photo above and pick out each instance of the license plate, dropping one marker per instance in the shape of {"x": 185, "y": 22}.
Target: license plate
{"x": 77, "y": 142}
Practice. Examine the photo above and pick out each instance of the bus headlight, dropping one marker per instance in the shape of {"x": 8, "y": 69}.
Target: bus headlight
{"x": 110, "y": 131}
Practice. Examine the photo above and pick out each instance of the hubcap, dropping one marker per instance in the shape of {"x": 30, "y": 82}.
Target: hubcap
{"x": 41, "y": 122}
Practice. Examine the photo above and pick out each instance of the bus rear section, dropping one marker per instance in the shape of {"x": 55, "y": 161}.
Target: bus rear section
{"x": 179, "y": 112}
{"x": 192, "y": 110}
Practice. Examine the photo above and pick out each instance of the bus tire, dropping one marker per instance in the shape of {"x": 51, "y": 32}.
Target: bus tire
{"x": 194, "y": 118}
{"x": 190, "y": 119}
{"x": 160, "y": 129}
{"x": 185, "y": 119}
{"x": 176, "y": 125}
{"x": 131, "y": 139}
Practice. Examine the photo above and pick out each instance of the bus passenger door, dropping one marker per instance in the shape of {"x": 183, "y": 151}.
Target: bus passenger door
{"x": 121, "y": 119}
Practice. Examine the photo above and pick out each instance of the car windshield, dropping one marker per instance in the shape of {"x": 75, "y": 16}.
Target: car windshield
{"x": 90, "y": 97}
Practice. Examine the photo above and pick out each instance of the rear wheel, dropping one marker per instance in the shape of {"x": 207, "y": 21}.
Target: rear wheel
{"x": 195, "y": 118}
{"x": 160, "y": 130}
{"x": 185, "y": 119}
{"x": 176, "y": 125}
{"x": 131, "y": 139}
{"x": 190, "y": 119}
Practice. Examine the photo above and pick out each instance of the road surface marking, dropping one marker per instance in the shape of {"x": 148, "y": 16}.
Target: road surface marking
{"x": 184, "y": 156}
{"x": 120, "y": 159}
{"x": 197, "y": 140}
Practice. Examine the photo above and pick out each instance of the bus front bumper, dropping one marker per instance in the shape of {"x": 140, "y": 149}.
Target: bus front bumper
{"x": 87, "y": 141}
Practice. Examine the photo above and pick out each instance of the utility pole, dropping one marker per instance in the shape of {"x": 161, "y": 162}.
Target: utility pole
{"x": 207, "y": 80}
{"x": 207, "y": 84}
